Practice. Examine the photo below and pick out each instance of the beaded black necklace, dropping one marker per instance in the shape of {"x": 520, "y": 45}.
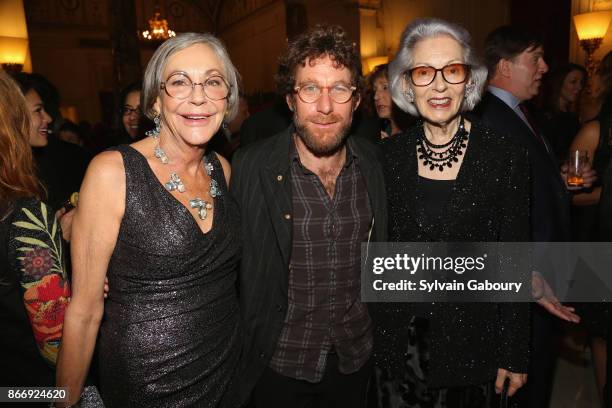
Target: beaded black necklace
{"x": 445, "y": 158}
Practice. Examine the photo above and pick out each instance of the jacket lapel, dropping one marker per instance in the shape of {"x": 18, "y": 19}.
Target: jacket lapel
{"x": 518, "y": 129}
{"x": 373, "y": 178}
{"x": 410, "y": 176}
{"x": 276, "y": 186}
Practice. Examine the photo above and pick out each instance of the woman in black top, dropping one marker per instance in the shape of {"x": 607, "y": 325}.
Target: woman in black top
{"x": 128, "y": 115}
{"x": 449, "y": 180}
{"x": 564, "y": 87}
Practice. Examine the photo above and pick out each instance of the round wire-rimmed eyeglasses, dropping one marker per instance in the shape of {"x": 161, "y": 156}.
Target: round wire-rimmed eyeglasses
{"x": 339, "y": 93}
{"x": 180, "y": 86}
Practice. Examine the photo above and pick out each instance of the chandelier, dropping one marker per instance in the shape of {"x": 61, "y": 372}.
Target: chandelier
{"x": 158, "y": 29}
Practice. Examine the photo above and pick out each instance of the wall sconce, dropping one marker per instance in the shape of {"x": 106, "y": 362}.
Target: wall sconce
{"x": 591, "y": 29}
{"x": 13, "y": 36}
{"x": 13, "y": 53}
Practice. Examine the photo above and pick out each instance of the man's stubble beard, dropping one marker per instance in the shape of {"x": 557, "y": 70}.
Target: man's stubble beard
{"x": 314, "y": 145}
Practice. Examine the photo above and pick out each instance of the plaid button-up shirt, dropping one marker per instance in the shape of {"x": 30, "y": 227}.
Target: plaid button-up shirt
{"x": 325, "y": 313}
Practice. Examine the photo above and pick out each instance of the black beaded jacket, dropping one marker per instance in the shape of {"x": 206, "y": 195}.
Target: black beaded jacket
{"x": 489, "y": 202}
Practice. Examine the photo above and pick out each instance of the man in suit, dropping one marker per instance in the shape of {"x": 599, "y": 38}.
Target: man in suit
{"x": 515, "y": 60}
{"x": 309, "y": 196}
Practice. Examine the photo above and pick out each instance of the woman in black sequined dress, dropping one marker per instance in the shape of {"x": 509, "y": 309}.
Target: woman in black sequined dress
{"x": 155, "y": 217}
{"x": 449, "y": 180}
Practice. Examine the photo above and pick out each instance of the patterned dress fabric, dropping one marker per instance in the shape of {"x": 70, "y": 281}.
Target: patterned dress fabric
{"x": 34, "y": 293}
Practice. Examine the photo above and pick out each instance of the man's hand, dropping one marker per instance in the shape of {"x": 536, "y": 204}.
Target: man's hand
{"x": 589, "y": 175}
{"x": 546, "y": 298}
{"x": 65, "y": 220}
{"x": 517, "y": 380}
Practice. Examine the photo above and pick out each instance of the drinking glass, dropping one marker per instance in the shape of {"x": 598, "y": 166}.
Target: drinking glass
{"x": 576, "y": 163}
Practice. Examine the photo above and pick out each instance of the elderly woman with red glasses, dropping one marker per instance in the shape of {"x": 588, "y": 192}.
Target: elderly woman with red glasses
{"x": 449, "y": 179}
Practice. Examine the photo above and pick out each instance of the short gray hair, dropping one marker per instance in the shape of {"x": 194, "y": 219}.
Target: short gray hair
{"x": 422, "y": 29}
{"x": 151, "y": 85}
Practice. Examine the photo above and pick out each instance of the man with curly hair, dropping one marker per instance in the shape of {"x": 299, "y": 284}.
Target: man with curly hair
{"x": 309, "y": 197}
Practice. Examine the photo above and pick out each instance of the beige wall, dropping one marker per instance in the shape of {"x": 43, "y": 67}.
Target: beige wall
{"x": 79, "y": 72}
{"x": 477, "y": 16}
{"x": 342, "y": 12}
{"x": 71, "y": 47}
{"x": 255, "y": 44}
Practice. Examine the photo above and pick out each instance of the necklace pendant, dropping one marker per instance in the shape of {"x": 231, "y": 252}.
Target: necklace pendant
{"x": 214, "y": 190}
{"x": 175, "y": 183}
{"x": 209, "y": 169}
{"x": 161, "y": 155}
{"x": 202, "y": 206}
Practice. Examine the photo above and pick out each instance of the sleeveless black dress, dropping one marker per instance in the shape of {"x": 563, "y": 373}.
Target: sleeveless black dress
{"x": 171, "y": 334}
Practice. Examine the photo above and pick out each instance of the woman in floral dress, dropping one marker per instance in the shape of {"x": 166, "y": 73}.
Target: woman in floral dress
{"x": 34, "y": 289}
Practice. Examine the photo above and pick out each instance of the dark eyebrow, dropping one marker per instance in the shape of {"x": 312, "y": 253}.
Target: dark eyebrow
{"x": 309, "y": 81}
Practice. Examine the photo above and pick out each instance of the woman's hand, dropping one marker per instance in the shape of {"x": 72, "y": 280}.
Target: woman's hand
{"x": 586, "y": 139}
{"x": 65, "y": 219}
{"x": 589, "y": 176}
{"x": 544, "y": 295}
{"x": 517, "y": 380}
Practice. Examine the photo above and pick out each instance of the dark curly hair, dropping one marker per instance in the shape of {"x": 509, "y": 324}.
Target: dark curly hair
{"x": 321, "y": 41}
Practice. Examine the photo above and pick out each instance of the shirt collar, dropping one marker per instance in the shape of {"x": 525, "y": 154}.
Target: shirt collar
{"x": 508, "y": 98}
{"x": 295, "y": 157}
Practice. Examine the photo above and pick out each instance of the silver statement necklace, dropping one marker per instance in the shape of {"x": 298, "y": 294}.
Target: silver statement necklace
{"x": 175, "y": 182}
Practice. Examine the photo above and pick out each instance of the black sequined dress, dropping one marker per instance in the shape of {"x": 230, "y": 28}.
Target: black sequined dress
{"x": 171, "y": 334}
